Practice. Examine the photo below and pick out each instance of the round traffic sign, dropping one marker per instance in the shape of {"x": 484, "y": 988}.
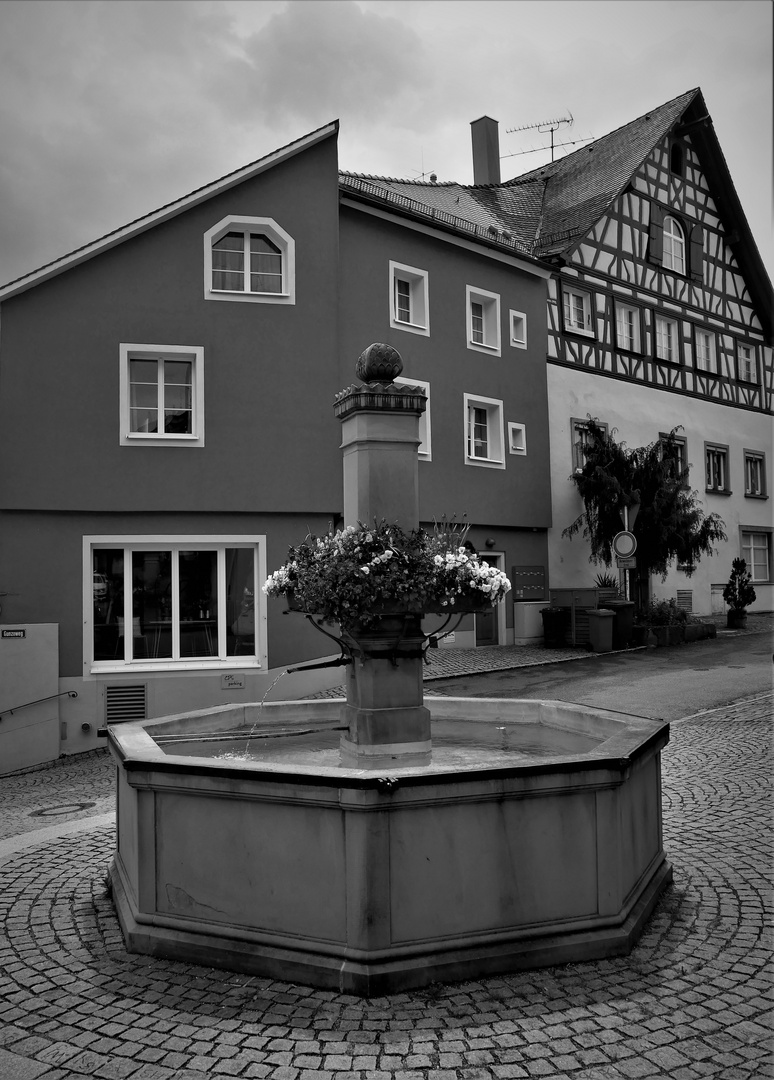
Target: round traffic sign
{"x": 624, "y": 544}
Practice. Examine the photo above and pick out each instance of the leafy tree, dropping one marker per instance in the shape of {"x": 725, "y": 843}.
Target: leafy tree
{"x": 669, "y": 524}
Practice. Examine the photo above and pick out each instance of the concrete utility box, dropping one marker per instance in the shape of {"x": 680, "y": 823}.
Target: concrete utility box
{"x": 29, "y": 672}
{"x": 528, "y": 621}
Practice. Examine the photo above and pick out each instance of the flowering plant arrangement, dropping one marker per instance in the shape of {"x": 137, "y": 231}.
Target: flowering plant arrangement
{"x": 354, "y": 575}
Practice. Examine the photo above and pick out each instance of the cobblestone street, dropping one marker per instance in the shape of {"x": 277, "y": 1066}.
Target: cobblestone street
{"x": 692, "y": 1000}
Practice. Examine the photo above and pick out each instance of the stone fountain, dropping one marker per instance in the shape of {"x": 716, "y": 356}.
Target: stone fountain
{"x": 386, "y": 842}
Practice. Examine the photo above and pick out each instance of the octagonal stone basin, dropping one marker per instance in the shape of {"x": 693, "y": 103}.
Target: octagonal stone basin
{"x": 533, "y": 838}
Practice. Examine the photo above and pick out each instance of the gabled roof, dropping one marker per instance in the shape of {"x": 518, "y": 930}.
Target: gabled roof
{"x": 545, "y": 213}
{"x": 164, "y": 213}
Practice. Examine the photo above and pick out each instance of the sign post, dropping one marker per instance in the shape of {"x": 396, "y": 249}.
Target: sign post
{"x": 624, "y": 546}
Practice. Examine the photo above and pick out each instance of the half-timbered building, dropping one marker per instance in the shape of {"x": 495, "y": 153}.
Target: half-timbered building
{"x": 659, "y": 316}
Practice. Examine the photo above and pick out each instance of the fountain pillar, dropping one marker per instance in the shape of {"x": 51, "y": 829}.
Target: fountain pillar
{"x": 387, "y": 722}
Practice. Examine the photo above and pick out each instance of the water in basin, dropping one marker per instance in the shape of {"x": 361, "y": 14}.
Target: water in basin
{"x": 455, "y": 742}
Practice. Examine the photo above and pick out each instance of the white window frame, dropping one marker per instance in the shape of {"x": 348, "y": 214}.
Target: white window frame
{"x": 673, "y": 252}
{"x": 749, "y": 534}
{"x": 176, "y": 543}
{"x": 572, "y": 322}
{"x": 517, "y": 322}
{"x": 663, "y": 323}
{"x": 704, "y": 350}
{"x": 746, "y": 365}
{"x": 517, "y": 438}
{"x": 268, "y": 227}
{"x": 490, "y": 314}
{"x": 493, "y": 407}
{"x": 425, "y": 449}
{"x": 419, "y": 302}
{"x": 628, "y": 318}
{"x": 195, "y": 353}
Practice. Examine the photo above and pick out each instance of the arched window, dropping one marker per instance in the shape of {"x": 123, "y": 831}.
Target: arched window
{"x": 674, "y": 246}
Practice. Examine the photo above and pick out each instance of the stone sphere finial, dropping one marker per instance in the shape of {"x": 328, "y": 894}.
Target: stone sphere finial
{"x": 378, "y": 363}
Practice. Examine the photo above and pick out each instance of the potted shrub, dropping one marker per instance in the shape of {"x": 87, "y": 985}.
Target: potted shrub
{"x": 666, "y": 620}
{"x": 738, "y": 594}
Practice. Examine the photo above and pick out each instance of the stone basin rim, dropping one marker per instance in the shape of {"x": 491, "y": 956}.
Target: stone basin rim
{"x": 629, "y": 737}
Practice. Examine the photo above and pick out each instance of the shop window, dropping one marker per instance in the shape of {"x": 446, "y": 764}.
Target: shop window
{"x": 173, "y": 602}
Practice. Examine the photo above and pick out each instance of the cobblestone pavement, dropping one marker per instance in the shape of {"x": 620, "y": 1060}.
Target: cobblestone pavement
{"x": 692, "y": 1000}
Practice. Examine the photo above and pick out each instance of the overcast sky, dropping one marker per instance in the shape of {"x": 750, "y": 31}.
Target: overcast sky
{"x": 108, "y": 110}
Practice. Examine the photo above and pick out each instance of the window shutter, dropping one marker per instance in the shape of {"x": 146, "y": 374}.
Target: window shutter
{"x": 656, "y": 234}
{"x": 696, "y": 264}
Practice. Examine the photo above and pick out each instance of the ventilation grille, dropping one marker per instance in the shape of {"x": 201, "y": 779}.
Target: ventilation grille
{"x": 125, "y": 703}
{"x": 685, "y": 599}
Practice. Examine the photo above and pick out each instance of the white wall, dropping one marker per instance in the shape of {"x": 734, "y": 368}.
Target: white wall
{"x": 640, "y": 413}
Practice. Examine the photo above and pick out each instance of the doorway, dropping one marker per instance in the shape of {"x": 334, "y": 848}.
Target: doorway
{"x": 490, "y": 624}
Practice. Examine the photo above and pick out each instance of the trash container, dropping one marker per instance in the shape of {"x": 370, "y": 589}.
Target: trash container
{"x": 556, "y": 626}
{"x": 601, "y": 629}
{"x": 623, "y": 624}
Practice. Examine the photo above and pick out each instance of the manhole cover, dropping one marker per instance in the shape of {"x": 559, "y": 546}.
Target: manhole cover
{"x": 63, "y": 808}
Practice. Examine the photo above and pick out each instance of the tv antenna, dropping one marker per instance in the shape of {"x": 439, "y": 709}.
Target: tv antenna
{"x": 545, "y": 126}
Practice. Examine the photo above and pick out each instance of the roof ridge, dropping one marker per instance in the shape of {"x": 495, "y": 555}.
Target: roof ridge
{"x": 399, "y": 180}
{"x": 553, "y": 166}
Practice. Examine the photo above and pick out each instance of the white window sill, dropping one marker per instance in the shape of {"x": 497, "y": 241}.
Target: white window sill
{"x": 145, "y": 667}
{"x": 486, "y": 463}
{"x": 490, "y": 350}
{"x": 409, "y": 327}
{"x": 579, "y": 330}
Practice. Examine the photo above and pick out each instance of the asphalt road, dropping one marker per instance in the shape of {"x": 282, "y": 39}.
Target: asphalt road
{"x": 665, "y": 683}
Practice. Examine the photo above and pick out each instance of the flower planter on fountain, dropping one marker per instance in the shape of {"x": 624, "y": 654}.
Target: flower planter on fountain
{"x": 441, "y": 840}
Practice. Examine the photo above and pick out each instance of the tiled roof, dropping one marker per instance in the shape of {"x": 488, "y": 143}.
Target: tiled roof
{"x": 479, "y": 212}
{"x": 546, "y": 210}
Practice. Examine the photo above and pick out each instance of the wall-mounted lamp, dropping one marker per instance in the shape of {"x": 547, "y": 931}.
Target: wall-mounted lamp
{"x": 490, "y": 542}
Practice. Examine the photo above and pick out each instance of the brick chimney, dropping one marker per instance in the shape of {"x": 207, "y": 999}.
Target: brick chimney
{"x": 486, "y": 151}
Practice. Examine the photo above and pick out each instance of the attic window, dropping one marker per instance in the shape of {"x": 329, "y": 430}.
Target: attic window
{"x": 249, "y": 259}
{"x": 676, "y": 159}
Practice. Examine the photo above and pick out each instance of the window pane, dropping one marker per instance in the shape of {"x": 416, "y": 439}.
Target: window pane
{"x": 228, "y": 261}
{"x": 198, "y": 603}
{"x": 479, "y": 433}
{"x": 265, "y": 265}
{"x": 240, "y": 602}
{"x": 477, "y": 324}
{"x": 108, "y": 601}
{"x": 178, "y": 397}
{"x": 151, "y": 635}
{"x": 402, "y": 301}
{"x": 143, "y": 395}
